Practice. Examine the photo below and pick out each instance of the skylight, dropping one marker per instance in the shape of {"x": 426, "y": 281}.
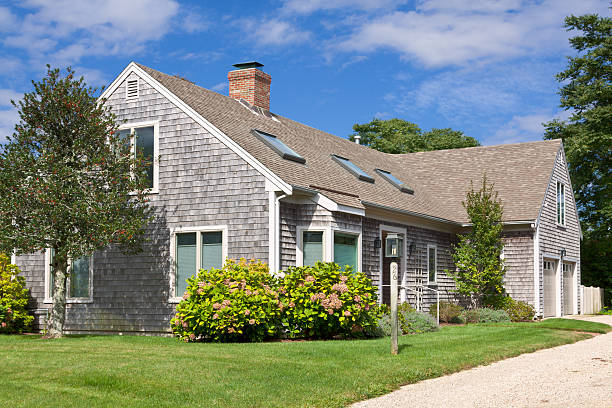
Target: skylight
{"x": 279, "y": 147}
{"x": 353, "y": 168}
{"x": 395, "y": 181}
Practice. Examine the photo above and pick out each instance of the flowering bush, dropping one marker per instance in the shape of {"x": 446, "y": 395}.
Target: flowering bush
{"x": 519, "y": 311}
{"x": 14, "y": 316}
{"x": 324, "y": 301}
{"x": 238, "y": 302}
{"x": 449, "y": 312}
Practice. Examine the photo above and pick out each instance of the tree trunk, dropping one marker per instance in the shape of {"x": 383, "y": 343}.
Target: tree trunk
{"x": 55, "y": 328}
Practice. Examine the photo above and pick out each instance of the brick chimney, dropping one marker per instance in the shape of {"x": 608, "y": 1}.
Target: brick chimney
{"x": 251, "y": 84}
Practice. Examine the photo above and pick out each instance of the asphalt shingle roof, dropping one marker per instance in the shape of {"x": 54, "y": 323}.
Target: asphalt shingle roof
{"x": 440, "y": 178}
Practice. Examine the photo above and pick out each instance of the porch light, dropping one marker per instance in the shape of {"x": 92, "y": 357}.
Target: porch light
{"x": 377, "y": 243}
{"x": 394, "y": 244}
{"x": 562, "y": 252}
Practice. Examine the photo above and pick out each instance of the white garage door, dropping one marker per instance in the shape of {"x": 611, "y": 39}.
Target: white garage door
{"x": 568, "y": 288}
{"x": 550, "y": 289}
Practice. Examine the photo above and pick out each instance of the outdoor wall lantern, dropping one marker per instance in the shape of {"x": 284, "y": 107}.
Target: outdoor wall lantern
{"x": 377, "y": 243}
{"x": 562, "y": 252}
{"x": 394, "y": 244}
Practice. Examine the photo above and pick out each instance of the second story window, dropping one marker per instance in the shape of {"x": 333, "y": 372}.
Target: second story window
{"x": 560, "y": 203}
{"x": 145, "y": 142}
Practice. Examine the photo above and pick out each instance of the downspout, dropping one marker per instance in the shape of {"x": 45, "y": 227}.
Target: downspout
{"x": 277, "y": 234}
{"x": 536, "y": 269}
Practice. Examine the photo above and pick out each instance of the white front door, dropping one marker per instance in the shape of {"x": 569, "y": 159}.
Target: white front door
{"x": 550, "y": 289}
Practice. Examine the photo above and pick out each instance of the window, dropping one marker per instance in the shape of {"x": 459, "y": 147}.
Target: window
{"x": 145, "y": 142}
{"x": 78, "y": 285}
{"x": 195, "y": 249}
{"x": 432, "y": 263}
{"x": 346, "y": 250}
{"x": 278, "y": 146}
{"x": 312, "y": 247}
{"x": 395, "y": 181}
{"x": 352, "y": 168}
{"x": 560, "y": 203}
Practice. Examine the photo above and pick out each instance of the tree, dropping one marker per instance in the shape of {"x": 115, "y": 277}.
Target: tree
{"x": 480, "y": 268}
{"x": 587, "y": 138}
{"x": 69, "y": 182}
{"x": 400, "y": 136}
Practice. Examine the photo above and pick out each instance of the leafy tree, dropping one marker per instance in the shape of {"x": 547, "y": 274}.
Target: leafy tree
{"x": 68, "y": 181}
{"x": 480, "y": 269}
{"x": 587, "y": 137}
{"x": 400, "y": 136}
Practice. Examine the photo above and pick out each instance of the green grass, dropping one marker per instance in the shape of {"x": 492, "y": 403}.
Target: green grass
{"x": 163, "y": 372}
{"x": 569, "y": 324}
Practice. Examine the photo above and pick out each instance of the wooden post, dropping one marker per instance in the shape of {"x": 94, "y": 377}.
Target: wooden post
{"x": 394, "y": 321}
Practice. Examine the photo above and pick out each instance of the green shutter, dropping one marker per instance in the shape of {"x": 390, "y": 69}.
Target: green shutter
{"x": 145, "y": 142}
{"x": 185, "y": 260}
{"x": 79, "y": 278}
{"x": 312, "y": 247}
{"x": 212, "y": 250}
{"x": 345, "y": 250}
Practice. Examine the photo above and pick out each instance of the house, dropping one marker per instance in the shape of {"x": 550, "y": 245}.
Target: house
{"x": 232, "y": 179}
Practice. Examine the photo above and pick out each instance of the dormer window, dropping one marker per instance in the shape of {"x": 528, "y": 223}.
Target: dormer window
{"x": 131, "y": 89}
{"x": 352, "y": 168}
{"x": 278, "y": 146}
{"x": 395, "y": 181}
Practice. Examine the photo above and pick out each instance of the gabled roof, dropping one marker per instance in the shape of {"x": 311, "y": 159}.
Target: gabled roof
{"x": 440, "y": 179}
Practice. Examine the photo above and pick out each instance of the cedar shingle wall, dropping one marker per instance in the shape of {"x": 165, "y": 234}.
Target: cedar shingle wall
{"x": 518, "y": 254}
{"x": 552, "y": 237}
{"x": 201, "y": 182}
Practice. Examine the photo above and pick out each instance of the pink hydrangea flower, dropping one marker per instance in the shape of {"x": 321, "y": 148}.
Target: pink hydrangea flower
{"x": 340, "y": 287}
{"x": 216, "y": 306}
{"x": 192, "y": 336}
{"x": 215, "y": 316}
{"x": 347, "y": 313}
{"x": 231, "y": 330}
{"x": 247, "y": 312}
{"x": 291, "y": 304}
{"x": 185, "y": 325}
{"x": 3, "y": 324}
{"x": 357, "y": 298}
{"x": 309, "y": 279}
{"x": 186, "y": 295}
{"x": 251, "y": 321}
{"x": 343, "y": 278}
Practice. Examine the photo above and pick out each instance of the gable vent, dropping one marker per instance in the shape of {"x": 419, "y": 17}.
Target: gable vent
{"x": 131, "y": 89}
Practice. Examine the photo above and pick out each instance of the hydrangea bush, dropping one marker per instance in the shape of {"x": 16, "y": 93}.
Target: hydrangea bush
{"x": 485, "y": 315}
{"x": 238, "y": 302}
{"x": 14, "y": 316}
{"x": 324, "y": 301}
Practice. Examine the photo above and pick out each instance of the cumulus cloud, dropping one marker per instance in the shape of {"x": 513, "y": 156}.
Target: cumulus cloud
{"x": 311, "y": 6}
{"x": 276, "y": 32}
{"x": 6, "y": 95}
{"x": 69, "y": 30}
{"x": 524, "y": 128}
{"x": 8, "y": 120}
{"x": 442, "y": 33}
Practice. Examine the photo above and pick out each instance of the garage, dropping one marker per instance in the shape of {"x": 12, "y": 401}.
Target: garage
{"x": 568, "y": 288}
{"x": 550, "y": 289}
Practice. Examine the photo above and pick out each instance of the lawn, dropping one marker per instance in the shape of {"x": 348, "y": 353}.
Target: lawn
{"x": 162, "y": 372}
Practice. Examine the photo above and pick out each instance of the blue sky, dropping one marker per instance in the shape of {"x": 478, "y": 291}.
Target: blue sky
{"x": 484, "y": 67}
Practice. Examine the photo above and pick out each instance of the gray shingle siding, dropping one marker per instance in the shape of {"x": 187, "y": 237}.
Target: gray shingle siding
{"x": 552, "y": 237}
{"x": 201, "y": 182}
{"x": 518, "y": 255}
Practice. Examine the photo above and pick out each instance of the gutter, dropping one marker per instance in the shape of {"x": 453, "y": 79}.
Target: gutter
{"x": 397, "y": 210}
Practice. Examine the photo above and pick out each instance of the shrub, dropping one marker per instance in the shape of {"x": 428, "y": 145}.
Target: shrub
{"x": 14, "y": 316}
{"x": 238, "y": 302}
{"x": 418, "y": 322}
{"x": 519, "y": 311}
{"x": 323, "y": 301}
{"x": 449, "y": 312}
{"x": 485, "y": 315}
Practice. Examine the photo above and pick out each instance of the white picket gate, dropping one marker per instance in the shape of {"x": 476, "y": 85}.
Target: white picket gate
{"x": 592, "y": 299}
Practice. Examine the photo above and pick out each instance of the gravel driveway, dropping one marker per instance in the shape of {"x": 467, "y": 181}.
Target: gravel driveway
{"x": 574, "y": 375}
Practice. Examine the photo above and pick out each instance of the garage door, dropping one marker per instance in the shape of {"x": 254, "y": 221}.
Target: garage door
{"x": 550, "y": 289}
{"x": 568, "y": 288}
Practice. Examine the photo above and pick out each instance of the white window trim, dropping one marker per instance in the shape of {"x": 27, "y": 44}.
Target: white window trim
{"x": 299, "y": 249}
{"x": 557, "y": 209}
{"x": 355, "y": 232}
{"x": 133, "y": 98}
{"x": 48, "y": 295}
{"x": 135, "y": 125}
{"x": 174, "y": 297}
{"x": 435, "y": 247}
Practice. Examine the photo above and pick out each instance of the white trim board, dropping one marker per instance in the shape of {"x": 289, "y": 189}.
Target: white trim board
{"x": 222, "y": 137}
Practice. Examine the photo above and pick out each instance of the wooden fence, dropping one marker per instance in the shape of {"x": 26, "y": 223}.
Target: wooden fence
{"x": 592, "y": 299}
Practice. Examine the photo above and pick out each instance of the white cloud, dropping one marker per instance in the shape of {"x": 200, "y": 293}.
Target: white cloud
{"x": 524, "y": 128}
{"x": 193, "y": 23}
{"x": 8, "y": 120}
{"x": 353, "y": 60}
{"x": 311, "y": 6}
{"x": 220, "y": 87}
{"x": 276, "y": 32}
{"x": 90, "y": 27}
{"x": 7, "y": 94}
{"x": 445, "y": 33}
